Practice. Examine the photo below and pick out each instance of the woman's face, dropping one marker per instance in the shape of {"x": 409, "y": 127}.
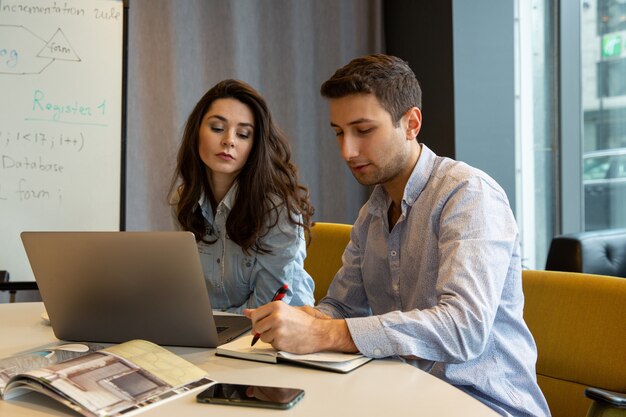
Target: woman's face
{"x": 226, "y": 138}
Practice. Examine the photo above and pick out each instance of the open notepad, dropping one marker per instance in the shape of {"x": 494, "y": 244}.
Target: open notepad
{"x": 264, "y": 352}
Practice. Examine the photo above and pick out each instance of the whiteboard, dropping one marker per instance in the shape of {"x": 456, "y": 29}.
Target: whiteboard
{"x": 61, "y": 74}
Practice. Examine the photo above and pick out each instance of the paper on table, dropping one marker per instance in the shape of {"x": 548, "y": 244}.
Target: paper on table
{"x": 242, "y": 345}
{"x": 264, "y": 352}
{"x": 321, "y": 356}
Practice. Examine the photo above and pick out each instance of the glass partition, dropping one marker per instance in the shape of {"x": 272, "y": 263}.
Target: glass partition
{"x": 603, "y": 66}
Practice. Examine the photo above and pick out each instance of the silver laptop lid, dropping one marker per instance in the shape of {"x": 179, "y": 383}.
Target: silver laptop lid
{"x": 117, "y": 286}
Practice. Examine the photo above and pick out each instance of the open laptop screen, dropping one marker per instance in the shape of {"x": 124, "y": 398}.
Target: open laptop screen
{"x": 117, "y": 286}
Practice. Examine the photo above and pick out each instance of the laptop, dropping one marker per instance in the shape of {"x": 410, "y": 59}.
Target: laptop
{"x": 116, "y": 286}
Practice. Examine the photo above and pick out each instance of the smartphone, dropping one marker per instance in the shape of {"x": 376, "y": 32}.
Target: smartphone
{"x": 251, "y": 395}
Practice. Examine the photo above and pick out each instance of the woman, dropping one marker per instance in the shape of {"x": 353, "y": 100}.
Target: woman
{"x": 237, "y": 191}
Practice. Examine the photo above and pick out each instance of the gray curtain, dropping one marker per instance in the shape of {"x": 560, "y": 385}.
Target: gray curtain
{"x": 283, "y": 48}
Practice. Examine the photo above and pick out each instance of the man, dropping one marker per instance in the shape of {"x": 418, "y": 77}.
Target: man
{"x": 432, "y": 273}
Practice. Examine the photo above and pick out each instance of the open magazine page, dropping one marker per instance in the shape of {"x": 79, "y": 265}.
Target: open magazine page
{"x": 24, "y": 385}
{"x": 41, "y": 357}
{"x": 117, "y": 380}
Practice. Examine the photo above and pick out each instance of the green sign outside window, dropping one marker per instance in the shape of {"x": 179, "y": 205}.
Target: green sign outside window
{"x": 611, "y": 45}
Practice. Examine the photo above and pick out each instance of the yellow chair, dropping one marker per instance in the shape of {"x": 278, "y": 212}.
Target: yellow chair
{"x": 323, "y": 260}
{"x": 579, "y": 324}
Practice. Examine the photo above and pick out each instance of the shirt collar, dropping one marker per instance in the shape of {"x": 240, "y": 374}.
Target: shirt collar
{"x": 228, "y": 201}
{"x": 420, "y": 175}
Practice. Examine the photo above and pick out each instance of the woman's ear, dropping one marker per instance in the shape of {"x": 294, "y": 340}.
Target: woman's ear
{"x": 413, "y": 119}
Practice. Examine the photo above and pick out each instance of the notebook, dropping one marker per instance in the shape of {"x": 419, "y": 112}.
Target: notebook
{"x": 117, "y": 286}
{"x": 263, "y": 352}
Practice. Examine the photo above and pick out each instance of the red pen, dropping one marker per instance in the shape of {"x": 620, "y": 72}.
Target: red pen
{"x": 278, "y": 295}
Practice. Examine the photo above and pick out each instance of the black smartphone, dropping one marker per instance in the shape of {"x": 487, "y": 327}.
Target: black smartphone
{"x": 251, "y": 395}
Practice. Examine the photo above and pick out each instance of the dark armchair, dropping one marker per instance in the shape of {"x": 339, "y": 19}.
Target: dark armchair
{"x": 600, "y": 252}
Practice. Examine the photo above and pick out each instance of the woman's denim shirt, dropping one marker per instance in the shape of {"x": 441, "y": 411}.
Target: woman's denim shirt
{"x": 236, "y": 280}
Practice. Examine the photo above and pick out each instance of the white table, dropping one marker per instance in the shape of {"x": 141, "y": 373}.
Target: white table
{"x": 379, "y": 388}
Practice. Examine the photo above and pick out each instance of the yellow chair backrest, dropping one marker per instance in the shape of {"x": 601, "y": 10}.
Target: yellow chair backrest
{"x": 323, "y": 260}
{"x": 579, "y": 324}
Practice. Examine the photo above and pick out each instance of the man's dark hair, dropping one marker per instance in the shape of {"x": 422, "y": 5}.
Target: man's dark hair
{"x": 389, "y": 78}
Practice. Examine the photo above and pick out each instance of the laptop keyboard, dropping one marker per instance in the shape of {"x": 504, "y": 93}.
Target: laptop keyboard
{"x": 220, "y": 329}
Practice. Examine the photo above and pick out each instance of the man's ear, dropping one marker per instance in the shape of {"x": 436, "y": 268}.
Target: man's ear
{"x": 413, "y": 119}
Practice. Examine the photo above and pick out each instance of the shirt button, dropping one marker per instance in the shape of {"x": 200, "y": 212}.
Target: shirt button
{"x": 377, "y": 352}
{"x": 394, "y": 253}
{"x": 218, "y": 260}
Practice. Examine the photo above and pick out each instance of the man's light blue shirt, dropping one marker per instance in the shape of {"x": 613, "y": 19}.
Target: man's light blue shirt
{"x": 443, "y": 289}
{"x": 236, "y": 280}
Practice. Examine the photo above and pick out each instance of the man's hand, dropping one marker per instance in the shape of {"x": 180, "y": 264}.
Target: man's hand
{"x": 314, "y": 312}
{"x": 300, "y": 329}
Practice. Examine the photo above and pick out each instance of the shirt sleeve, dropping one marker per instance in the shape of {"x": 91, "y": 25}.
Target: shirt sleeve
{"x": 476, "y": 240}
{"x": 283, "y": 265}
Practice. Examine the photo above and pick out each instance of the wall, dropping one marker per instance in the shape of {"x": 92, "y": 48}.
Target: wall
{"x": 420, "y": 32}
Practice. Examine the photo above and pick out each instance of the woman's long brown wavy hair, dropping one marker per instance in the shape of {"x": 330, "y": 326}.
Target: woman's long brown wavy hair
{"x": 268, "y": 182}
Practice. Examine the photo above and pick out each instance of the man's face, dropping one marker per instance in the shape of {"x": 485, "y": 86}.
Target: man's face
{"x": 375, "y": 150}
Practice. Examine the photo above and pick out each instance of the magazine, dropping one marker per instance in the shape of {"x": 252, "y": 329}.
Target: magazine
{"x": 119, "y": 380}
{"x": 42, "y": 357}
{"x": 263, "y": 352}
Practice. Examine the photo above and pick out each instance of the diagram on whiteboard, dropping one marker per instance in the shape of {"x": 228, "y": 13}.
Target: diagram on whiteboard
{"x": 23, "y": 52}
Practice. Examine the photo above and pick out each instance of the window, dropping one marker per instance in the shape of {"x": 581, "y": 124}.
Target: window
{"x": 603, "y": 72}
{"x": 596, "y": 168}
{"x": 611, "y": 80}
{"x": 611, "y": 15}
{"x": 539, "y": 148}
